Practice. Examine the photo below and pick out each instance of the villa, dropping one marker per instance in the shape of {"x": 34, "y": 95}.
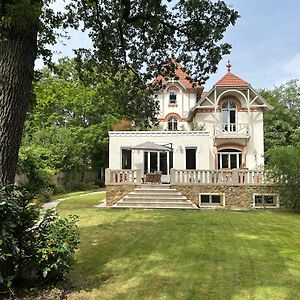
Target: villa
{"x": 209, "y": 151}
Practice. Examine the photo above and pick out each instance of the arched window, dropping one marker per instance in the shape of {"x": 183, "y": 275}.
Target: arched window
{"x": 172, "y": 124}
{"x": 229, "y": 115}
{"x": 173, "y": 97}
{"x": 230, "y": 159}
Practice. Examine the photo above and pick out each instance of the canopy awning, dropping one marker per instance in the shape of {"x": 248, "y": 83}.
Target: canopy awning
{"x": 150, "y": 146}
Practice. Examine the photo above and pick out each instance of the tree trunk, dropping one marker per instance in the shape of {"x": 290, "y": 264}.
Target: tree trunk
{"x": 18, "y": 52}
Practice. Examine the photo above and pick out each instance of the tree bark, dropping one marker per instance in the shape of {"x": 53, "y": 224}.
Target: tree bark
{"x": 18, "y": 52}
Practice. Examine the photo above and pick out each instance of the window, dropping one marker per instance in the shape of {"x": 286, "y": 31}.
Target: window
{"x": 265, "y": 200}
{"x": 173, "y": 97}
{"x": 126, "y": 158}
{"x": 211, "y": 200}
{"x": 190, "y": 158}
{"x": 229, "y": 116}
{"x": 172, "y": 124}
{"x": 230, "y": 159}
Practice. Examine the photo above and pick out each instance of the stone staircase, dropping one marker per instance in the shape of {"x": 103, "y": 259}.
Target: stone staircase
{"x": 155, "y": 196}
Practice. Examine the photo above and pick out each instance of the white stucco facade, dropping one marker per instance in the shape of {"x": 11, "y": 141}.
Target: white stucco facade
{"x": 221, "y": 129}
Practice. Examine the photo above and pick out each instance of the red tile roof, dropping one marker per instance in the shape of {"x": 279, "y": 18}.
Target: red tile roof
{"x": 182, "y": 78}
{"x": 231, "y": 80}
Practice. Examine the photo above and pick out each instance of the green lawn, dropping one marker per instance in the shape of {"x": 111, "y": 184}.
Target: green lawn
{"x": 161, "y": 254}
{"x": 72, "y": 194}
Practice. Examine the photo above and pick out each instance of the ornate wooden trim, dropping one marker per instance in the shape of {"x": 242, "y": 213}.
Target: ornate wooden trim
{"x": 173, "y": 87}
{"x": 230, "y": 146}
{"x": 204, "y": 110}
{"x": 232, "y": 98}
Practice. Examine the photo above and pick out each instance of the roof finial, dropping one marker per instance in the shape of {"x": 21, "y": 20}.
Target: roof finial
{"x": 228, "y": 66}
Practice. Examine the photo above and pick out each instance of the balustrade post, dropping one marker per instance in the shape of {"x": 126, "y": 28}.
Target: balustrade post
{"x": 138, "y": 176}
{"x": 235, "y": 176}
{"x": 172, "y": 176}
{"x": 107, "y": 176}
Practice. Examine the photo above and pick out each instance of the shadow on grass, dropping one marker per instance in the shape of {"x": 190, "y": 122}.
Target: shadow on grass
{"x": 183, "y": 255}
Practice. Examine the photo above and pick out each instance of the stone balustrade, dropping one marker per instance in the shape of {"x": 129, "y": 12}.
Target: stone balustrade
{"x": 221, "y": 177}
{"x": 115, "y": 177}
{"x": 208, "y": 177}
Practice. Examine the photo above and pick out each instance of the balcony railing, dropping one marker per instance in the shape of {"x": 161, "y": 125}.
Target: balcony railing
{"x": 232, "y": 129}
{"x": 220, "y": 177}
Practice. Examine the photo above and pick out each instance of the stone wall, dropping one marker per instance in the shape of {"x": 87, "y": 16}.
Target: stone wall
{"x": 236, "y": 196}
{"x": 114, "y": 193}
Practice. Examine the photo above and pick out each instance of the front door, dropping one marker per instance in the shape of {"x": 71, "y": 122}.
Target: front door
{"x": 159, "y": 162}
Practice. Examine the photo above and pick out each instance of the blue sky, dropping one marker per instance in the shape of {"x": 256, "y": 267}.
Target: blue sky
{"x": 265, "y": 42}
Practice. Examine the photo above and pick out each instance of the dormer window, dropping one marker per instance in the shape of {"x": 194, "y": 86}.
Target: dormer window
{"x": 173, "y": 97}
{"x": 172, "y": 124}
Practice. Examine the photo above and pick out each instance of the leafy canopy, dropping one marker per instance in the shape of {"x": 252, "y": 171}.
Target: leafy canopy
{"x": 282, "y": 124}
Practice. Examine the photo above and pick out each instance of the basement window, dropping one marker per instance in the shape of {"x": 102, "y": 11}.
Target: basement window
{"x": 211, "y": 200}
{"x": 265, "y": 200}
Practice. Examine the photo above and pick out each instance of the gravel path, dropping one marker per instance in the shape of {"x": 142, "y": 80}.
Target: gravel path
{"x": 53, "y": 204}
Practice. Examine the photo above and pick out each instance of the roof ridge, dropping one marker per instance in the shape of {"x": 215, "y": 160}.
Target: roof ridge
{"x": 227, "y": 81}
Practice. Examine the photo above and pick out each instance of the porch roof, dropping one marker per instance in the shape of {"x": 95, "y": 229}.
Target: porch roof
{"x": 152, "y": 146}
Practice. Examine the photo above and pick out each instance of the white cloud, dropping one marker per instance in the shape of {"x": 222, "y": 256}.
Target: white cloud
{"x": 290, "y": 70}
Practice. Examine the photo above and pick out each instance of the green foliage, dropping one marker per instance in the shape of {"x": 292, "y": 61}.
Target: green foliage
{"x": 58, "y": 239}
{"x": 197, "y": 127}
{"x": 281, "y": 125}
{"x": 142, "y": 34}
{"x": 74, "y": 110}
{"x": 284, "y": 163}
{"x": 33, "y": 161}
{"x": 32, "y": 243}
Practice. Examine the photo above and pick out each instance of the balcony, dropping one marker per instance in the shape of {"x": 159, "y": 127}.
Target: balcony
{"x": 231, "y": 132}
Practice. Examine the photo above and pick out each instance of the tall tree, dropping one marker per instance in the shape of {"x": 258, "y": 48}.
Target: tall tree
{"x": 282, "y": 124}
{"x": 138, "y": 33}
{"x": 70, "y": 120}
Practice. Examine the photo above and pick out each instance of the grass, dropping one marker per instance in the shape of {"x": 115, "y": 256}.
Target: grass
{"x": 72, "y": 194}
{"x": 161, "y": 254}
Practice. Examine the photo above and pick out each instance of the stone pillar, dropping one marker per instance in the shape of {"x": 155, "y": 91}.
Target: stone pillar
{"x": 138, "y": 176}
{"x": 172, "y": 176}
{"x": 107, "y": 176}
{"x": 235, "y": 176}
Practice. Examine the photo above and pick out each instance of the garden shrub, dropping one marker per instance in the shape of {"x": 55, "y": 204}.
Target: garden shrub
{"x": 33, "y": 245}
{"x": 284, "y": 164}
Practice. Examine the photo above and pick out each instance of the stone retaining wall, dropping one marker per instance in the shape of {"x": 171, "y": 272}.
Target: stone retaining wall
{"x": 236, "y": 196}
{"x": 114, "y": 193}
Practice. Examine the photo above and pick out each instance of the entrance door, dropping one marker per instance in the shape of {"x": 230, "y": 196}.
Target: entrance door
{"x": 159, "y": 162}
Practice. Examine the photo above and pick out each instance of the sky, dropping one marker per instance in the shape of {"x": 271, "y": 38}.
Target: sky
{"x": 265, "y": 43}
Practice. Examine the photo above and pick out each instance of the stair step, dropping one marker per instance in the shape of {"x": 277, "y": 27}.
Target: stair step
{"x": 144, "y": 190}
{"x": 155, "y": 196}
{"x": 156, "y": 207}
{"x": 151, "y": 198}
{"x": 173, "y": 195}
{"x": 155, "y": 204}
{"x": 154, "y": 200}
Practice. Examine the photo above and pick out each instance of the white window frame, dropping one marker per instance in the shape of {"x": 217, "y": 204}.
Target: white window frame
{"x": 126, "y": 148}
{"x": 210, "y": 204}
{"x": 276, "y": 202}
{"x": 173, "y": 91}
{"x": 230, "y": 128}
{"x": 173, "y": 121}
{"x": 220, "y": 154}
